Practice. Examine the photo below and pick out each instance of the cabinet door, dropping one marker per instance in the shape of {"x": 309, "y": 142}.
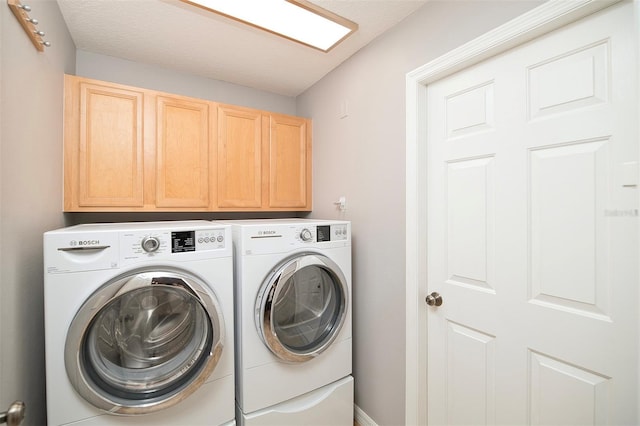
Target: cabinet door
{"x": 289, "y": 162}
{"x": 182, "y": 152}
{"x": 103, "y": 145}
{"x": 239, "y": 170}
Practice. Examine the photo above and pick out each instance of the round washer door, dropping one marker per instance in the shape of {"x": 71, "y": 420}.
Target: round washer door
{"x": 302, "y": 306}
{"x": 144, "y": 341}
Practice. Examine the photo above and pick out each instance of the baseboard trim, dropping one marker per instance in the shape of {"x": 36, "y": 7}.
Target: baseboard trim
{"x": 362, "y": 418}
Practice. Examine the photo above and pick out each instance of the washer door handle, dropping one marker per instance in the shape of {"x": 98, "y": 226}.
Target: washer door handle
{"x": 83, "y": 248}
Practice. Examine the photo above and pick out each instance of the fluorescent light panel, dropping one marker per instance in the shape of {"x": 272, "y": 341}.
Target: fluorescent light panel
{"x": 300, "y": 21}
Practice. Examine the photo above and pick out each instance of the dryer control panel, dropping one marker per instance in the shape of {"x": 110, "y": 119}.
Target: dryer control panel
{"x": 331, "y": 232}
{"x": 323, "y": 233}
{"x": 259, "y": 237}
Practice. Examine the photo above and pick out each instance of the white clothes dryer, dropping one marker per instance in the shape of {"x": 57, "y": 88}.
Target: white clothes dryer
{"x": 293, "y": 322}
{"x": 139, "y": 324}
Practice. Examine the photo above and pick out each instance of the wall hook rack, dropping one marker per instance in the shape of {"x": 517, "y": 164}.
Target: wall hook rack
{"x": 28, "y": 24}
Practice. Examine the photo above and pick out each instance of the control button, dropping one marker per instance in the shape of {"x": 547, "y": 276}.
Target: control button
{"x": 306, "y": 235}
{"x": 206, "y": 239}
{"x": 150, "y": 244}
{"x": 220, "y": 238}
{"x": 200, "y": 240}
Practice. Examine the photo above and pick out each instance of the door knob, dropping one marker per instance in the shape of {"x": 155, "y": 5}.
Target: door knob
{"x": 14, "y": 415}
{"x": 434, "y": 299}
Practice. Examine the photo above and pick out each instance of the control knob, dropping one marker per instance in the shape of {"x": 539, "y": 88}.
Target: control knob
{"x": 150, "y": 244}
{"x": 306, "y": 235}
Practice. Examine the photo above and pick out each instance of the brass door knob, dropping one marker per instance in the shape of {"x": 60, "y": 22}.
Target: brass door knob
{"x": 14, "y": 415}
{"x": 434, "y": 299}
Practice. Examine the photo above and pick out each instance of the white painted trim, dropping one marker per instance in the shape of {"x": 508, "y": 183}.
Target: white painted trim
{"x": 3, "y": 389}
{"x": 543, "y": 19}
{"x": 361, "y": 417}
{"x": 637, "y": 35}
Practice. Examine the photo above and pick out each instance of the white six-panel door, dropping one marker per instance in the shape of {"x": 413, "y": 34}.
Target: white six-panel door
{"x": 533, "y": 232}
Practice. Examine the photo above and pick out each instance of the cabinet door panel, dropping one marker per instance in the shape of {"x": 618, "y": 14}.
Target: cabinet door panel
{"x": 182, "y": 170}
{"x": 239, "y": 158}
{"x": 289, "y": 162}
{"x": 110, "y": 160}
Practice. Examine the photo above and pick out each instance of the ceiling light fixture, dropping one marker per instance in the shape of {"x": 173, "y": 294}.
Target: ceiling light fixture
{"x": 296, "y": 20}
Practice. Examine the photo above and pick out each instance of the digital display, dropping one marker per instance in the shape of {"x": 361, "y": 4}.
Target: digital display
{"x": 324, "y": 233}
{"x": 183, "y": 241}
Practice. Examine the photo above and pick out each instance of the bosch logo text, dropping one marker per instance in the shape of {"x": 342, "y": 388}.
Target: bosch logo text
{"x": 74, "y": 243}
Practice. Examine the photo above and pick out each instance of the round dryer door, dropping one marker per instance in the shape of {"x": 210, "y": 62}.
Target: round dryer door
{"x": 144, "y": 341}
{"x": 302, "y": 307}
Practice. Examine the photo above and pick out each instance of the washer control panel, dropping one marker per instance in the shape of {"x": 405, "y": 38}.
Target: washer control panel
{"x": 164, "y": 243}
{"x": 93, "y": 247}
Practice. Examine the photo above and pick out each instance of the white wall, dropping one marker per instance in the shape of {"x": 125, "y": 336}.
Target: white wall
{"x": 31, "y": 193}
{"x": 362, "y": 157}
{"x": 108, "y": 68}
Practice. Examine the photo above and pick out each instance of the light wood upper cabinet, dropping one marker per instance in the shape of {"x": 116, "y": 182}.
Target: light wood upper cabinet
{"x": 289, "y": 162}
{"x": 130, "y": 149}
{"x": 183, "y": 152}
{"x": 239, "y": 158}
{"x": 103, "y": 145}
{"x": 264, "y": 160}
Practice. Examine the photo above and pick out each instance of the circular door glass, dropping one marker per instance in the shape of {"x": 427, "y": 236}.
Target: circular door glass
{"x": 144, "y": 349}
{"x": 146, "y": 340}
{"x": 303, "y": 308}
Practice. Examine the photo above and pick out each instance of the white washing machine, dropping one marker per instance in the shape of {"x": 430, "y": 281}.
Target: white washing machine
{"x": 139, "y": 324}
{"x": 293, "y": 322}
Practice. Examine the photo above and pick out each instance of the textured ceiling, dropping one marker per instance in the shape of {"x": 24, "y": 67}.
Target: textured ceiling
{"x": 175, "y": 35}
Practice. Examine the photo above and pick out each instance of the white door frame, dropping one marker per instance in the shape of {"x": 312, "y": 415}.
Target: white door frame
{"x": 543, "y": 19}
